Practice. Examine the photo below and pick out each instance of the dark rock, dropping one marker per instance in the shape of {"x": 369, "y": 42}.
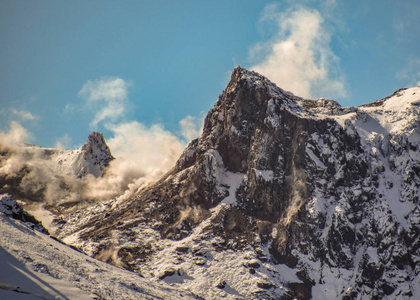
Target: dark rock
{"x": 221, "y": 284}
{"x": 166, "y": 273}
{"x": 182, "y": 249}
{"x": 300, "y": 291}
{"x": 388, "y": 289}
{"x": 253, "y": 264}
{"x": 265, "y": 285}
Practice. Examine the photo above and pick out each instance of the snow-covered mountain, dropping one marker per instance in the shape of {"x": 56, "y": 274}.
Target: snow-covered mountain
{"x": 279, "y": 198}
{"x": 92, "y": 158}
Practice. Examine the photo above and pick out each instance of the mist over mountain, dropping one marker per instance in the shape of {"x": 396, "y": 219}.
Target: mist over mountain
{"x": 52, "y": 175}
{"x": 279, "y": 198}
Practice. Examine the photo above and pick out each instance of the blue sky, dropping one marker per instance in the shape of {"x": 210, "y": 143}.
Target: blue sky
{"x": 156, "y": 67}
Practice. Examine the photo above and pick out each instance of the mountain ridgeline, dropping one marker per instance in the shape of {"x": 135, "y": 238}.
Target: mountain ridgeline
{"x": 279, "y": 198}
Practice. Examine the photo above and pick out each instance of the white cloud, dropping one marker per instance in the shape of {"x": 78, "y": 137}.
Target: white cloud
{"x": 24, "y": 115}
{"x": 143, "y": 154}
{"x": 16, "y": 135}
{"x": 147, "y": 148}
{"x": 109, "y": 96}
{"x": 298, "y": 57}
{"x": 191, "y": 127}
{"x": 64, "y": 142}
{"x": 68, "y": 108}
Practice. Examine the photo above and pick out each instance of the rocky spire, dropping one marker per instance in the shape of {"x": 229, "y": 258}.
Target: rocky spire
{"x": 94, "y": 157}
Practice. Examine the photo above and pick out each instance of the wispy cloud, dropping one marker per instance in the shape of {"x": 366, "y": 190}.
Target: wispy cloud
{"x": 68, "y": 108}
{"x": 108, "y": 96}
{"x": 406, "y": 18}
{"x": 64, "y": 142}
{"x": 411, "y": 73}
{"x": 399, "y": 25}
{"x": 16, "y": 135}
{"x": 298, "y": 56}
{"x": 191, "y": 127}
{"x": 24, "y": 115}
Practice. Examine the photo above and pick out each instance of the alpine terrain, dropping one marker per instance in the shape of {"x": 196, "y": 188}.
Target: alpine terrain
{"x": 279, "y": 198}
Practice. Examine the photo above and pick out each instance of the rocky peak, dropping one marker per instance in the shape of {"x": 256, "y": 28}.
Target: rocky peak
{"x": 248, "y": 101}
{"x": 259, "y": 130}
{"x": 96, "y": 146}
{"x": 94, "y": 156}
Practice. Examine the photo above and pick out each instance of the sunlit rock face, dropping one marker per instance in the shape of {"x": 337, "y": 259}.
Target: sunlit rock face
{"x": 279, "y": 198}
{"x": 94, "y": 156}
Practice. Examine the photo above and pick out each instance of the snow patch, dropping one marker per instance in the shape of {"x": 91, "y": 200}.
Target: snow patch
{"x": 233, "y": 180}
{"x": 315, "y": 158}
{"x": 266, "y": 175}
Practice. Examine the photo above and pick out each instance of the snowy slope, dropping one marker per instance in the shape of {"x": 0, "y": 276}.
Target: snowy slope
{"x": 35, "y": 266}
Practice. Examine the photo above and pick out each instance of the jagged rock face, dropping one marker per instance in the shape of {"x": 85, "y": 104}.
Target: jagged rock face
{"x": 254, "y": 130}
{"x": 94, "y": 156}
{"x": 328, "y": 193}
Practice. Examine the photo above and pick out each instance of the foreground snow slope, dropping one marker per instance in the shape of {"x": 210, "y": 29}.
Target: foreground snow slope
{"x": 35, "y": 266}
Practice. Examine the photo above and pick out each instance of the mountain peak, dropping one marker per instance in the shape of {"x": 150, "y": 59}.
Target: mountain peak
{"x": 95, "y": 155}
{"x": 243, "y": 78}
{"x": 95, "y": 141}
{"x": 256, "y": 80}
{"x": 239, "y": 71}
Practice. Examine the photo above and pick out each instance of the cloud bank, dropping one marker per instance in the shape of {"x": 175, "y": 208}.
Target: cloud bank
{"x": 298, "y": 57}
